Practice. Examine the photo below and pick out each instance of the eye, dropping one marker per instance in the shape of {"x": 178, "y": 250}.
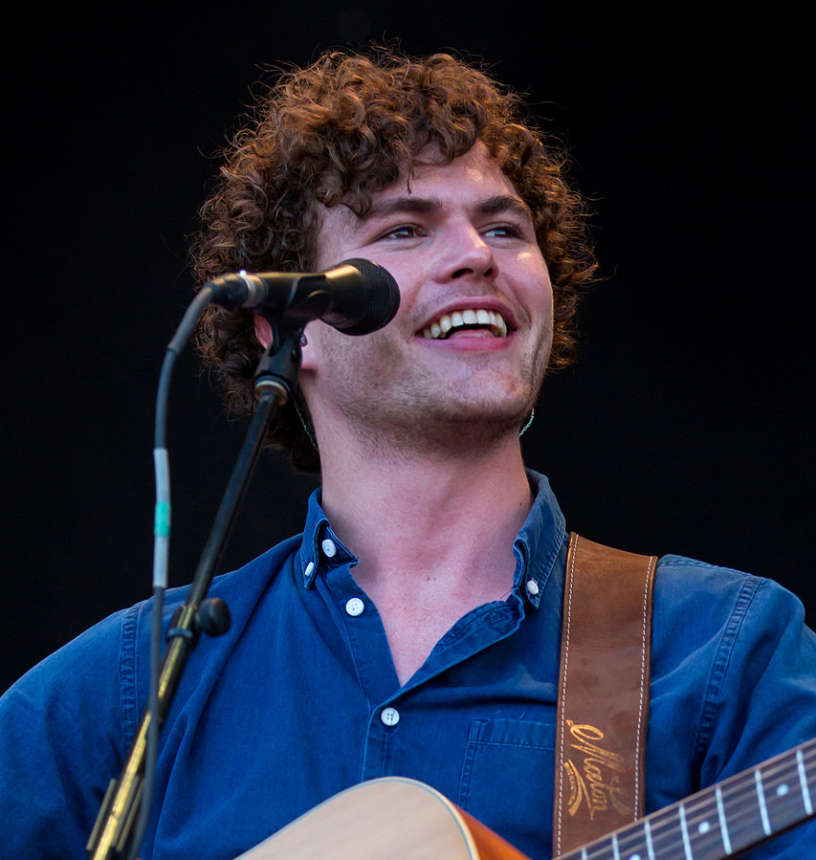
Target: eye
{"x": 504, "y": 231}
{"x": 403, "y": 231}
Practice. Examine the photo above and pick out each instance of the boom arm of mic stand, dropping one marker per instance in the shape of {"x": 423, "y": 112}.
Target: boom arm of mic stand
{"x": 275, "y": 381}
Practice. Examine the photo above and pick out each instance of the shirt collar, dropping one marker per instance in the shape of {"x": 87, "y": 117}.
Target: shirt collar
{"x": 321, "y": 548}
{"x": 539, "y": 542}
{"x": 536, "y": 547}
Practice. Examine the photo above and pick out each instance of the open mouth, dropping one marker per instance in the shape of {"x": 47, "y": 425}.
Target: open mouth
{"x": 467, "y": 320}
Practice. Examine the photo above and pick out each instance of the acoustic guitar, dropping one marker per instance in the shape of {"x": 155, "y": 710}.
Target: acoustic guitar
{"x": 393, "y": 817}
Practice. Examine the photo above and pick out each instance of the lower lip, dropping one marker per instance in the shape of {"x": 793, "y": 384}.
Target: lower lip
{"x": 469, "y": 342}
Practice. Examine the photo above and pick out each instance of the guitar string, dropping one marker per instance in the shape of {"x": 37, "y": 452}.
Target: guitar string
{"x": 633, "y": 844}
{"x": 712, "y": 841}
{"x": 665, "y": 824}
{"x": 700, "y": 811}
{"x": 738, "y": 823}
{"x": 736, "y": 793}
{"x": 783, "y": 808}
{"x": 665, "y": 827}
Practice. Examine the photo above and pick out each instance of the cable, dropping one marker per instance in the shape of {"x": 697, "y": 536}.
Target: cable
{"x": 161, "y": 549}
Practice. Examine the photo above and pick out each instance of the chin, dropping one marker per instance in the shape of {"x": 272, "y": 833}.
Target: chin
{"x": 503, "y": 416}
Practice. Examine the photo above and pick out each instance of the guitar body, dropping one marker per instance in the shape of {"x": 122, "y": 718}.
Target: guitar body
{"x": 382, "y": 819}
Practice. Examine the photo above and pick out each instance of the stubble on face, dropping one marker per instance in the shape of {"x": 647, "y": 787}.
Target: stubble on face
{"x": 397, "y": 395}
{"x": 408, "y": 415}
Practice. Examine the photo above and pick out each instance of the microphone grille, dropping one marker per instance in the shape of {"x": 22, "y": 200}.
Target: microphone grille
{"x": 382, "y": 301}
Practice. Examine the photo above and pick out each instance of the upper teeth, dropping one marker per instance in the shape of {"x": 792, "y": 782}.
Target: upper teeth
{"x": 449, "y": 322}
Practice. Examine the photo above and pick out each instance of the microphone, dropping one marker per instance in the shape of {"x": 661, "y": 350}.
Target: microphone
{"x": 355, "y": 296}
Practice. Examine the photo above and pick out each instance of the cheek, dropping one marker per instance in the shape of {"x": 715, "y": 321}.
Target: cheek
{"x": 533, "y": 270}
{"x": 328, "y": 351}
{"x": 546, "y": 293}
{"x": 541, "y": 303}
{"x": 334, "y": 358}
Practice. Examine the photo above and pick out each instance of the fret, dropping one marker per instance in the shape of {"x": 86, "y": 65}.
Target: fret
{"x": 630, "y": 843}
{"x": 763, "y": 807}
{"x": 664, "y": 836}
{"x": 706, "y": 827}
{"x": 647, "y": 829}
{"x": 787, "y": 796}
{"x": 627, "y": 844}
{"x": 803, "y": 782}
{"x": 684, "y": 832}
{"x": 743, "y": 811}
{"x": 724, "y": 834}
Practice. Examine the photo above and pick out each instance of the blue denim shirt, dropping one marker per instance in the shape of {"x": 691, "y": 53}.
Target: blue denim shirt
{"x": 300, "y": 700}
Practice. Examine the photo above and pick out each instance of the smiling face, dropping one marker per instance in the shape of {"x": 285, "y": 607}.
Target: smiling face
{"x": 470, "y": 343}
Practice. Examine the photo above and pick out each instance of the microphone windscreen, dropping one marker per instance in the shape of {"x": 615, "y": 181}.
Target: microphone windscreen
{"x": 369, "y": 309}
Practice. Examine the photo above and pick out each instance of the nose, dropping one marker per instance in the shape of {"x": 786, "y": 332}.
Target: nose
{"x": 464, "y": 254}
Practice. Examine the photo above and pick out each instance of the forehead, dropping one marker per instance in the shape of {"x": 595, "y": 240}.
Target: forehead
{"x": 475, "y": 170}
{"x": 466, "y": 182}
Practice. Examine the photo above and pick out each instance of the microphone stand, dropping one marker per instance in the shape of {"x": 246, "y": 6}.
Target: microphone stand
{"x": 275, "y": 380}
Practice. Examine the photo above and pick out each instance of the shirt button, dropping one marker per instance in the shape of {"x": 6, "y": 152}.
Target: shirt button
{"x": 307, "y": 572}
{"x": 355, "y": 606}
{"x": 532, "y": 587}
{"x": 329, "y": 548}
{"x": 390, "y": 716}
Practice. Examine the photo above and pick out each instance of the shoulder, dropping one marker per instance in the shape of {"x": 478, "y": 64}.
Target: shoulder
{"x": 107, "y": 651}
{"x": 240, "y": 588}
{"x": 730, "y": 650}
{"x": 726, "y": 614}
{"x": 66, "y": 725}
{"x": 709, "y": 595}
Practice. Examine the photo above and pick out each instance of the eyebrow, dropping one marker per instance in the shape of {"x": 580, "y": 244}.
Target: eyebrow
{"x": 424, "y": 205}
{"x": 505, "y": 203}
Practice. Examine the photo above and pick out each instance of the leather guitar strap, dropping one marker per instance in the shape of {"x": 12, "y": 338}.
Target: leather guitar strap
{"x": 603, "y": 692}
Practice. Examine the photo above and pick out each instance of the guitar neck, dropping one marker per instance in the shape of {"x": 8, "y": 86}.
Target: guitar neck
{"x": 723, "y": 820}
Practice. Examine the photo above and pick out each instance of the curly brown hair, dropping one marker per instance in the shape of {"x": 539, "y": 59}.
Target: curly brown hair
{"x": 338, "y": 132}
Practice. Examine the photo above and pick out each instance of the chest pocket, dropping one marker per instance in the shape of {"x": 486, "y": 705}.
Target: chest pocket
{"x": 507, "y": 781}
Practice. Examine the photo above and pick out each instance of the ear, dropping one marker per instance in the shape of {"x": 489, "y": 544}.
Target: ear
{"x": 264, "y": 334}
{"x": 306, "y": 347}
{"x": 262, "y": 331}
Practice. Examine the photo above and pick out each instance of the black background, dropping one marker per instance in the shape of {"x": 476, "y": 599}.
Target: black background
{"x": 684, "y": 428}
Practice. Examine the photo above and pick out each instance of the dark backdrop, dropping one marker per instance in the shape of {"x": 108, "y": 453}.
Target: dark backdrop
{"x": 684, "y": 428}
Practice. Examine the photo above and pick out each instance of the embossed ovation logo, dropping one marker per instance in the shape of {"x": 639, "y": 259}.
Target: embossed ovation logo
{"x": 596, "y": 781}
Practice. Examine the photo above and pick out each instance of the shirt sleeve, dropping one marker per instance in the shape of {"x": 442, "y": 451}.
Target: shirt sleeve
{"x": 761, "y": 699}
{"x": 61, "y": 741}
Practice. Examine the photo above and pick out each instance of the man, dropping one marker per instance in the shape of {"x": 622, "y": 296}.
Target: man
{"x": 414, "y": 628}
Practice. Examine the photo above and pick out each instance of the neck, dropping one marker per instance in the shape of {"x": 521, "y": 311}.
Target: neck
{"x": 430, "y": 518}
{"x": 432, "y": 527}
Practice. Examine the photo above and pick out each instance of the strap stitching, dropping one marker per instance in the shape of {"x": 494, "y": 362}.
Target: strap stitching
{"x": 644, "y": 651}
{"x": 563, "y": 691}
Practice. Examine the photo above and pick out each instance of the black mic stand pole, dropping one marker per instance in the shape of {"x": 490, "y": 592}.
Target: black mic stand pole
{"x": 275, "y": 380}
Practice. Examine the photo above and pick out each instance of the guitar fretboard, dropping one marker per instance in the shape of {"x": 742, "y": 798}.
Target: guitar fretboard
{"x": 723, "y": 820}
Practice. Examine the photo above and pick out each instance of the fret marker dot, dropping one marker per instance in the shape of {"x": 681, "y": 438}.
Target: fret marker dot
{"x": 703, "y": 827}
{"x": 782, "y": 789}
{"x": 634, "y": 857}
